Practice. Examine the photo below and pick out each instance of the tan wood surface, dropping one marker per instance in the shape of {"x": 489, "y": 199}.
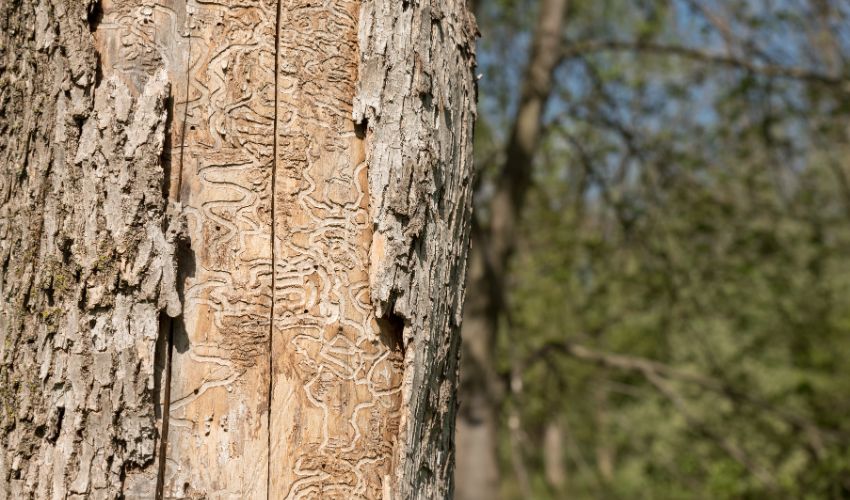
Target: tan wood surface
{"x": 218, "y": 425}
{"x": 255, "y": 154}
{"x": 336, "y": 380}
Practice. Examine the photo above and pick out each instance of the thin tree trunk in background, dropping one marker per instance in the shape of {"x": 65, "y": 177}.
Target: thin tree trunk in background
{"x": 477, "y": 471}
{"x": 299, "y": 176}
{"x": 604, "y": 450}
{"x": 554, "y": 468}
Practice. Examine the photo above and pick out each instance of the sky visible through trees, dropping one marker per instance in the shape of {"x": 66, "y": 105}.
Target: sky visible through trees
{"x": 676, "y": 320}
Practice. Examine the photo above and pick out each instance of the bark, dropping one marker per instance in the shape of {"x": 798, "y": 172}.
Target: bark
{"x": 419, "y": 151}
{"x": 492, "y": 247}
{"x": 86, "y": 250}
{"x": 298, "y": 176}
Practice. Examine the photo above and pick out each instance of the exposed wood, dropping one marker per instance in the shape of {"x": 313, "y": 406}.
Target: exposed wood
{"x": 218, "y": 429}
{"x": 336, "y": 375}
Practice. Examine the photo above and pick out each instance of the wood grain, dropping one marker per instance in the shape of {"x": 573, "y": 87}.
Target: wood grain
{"x": 217, "y": 444}
{"x": 336, "y": 379}
{"x": 319, "y": 154}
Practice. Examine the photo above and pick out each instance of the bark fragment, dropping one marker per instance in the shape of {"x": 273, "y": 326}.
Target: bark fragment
{"x": 416, "y": 94}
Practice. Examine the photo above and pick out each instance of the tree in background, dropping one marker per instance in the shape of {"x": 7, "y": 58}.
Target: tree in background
{"x": 672, "y": 322}
{"x": 492, "y": 248}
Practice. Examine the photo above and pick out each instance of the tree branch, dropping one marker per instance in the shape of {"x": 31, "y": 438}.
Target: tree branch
{"x": 649, "y": 369}
{"x": 730, "y": 447}
{"x": 585, "y": 47}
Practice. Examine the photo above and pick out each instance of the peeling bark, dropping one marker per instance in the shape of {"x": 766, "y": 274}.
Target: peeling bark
{"x": 416, "y": 93}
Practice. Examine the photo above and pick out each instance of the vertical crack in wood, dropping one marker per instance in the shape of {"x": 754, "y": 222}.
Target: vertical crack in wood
{"x": 175, "y": 193}
{"x": 166, "y": 403}
{"x": 274, "y": 265}
{"x": 175, "y": 184}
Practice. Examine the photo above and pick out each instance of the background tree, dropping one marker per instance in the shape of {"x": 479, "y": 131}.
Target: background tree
{"x": 493, "y": 245}
{"x": 672, "y": 322}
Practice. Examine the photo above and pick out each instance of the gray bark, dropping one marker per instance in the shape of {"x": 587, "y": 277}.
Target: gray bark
{"x": 86, "y": 245}
{"x": 420, "y": 119}
{"x": 91, "y": 145}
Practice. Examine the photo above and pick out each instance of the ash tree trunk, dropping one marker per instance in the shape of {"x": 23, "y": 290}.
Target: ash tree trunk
{"x": 233, "y": 244}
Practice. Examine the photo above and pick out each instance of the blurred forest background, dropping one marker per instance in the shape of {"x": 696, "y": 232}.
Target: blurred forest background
{"x": 659, "y": 291}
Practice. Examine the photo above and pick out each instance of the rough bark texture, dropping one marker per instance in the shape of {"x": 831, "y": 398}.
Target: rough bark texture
{"x": 417, "y": 94}
{"x": 87, "y": 252}
{"x": 315, "y": 159}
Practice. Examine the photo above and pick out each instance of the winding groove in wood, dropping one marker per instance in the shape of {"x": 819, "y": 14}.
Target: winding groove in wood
{"x": 218, "y": 428}
{"x": 89, "y": 245}
{"x": 283, "y": 384}
{"x": 335, "y": 406}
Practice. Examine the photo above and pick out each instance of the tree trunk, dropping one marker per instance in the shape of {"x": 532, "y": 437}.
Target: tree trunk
{"x": 554, "y": 469}
{"x": 477, "y": 469}
{"x": 478, "y": 416}
{"x": 234, "y": 245}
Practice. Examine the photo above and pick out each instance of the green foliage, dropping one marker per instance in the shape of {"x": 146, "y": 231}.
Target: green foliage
{"x": 696, "y": 215}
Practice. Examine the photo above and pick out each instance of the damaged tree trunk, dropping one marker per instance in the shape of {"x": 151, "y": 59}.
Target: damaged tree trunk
{"x": 233, "y": 244}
